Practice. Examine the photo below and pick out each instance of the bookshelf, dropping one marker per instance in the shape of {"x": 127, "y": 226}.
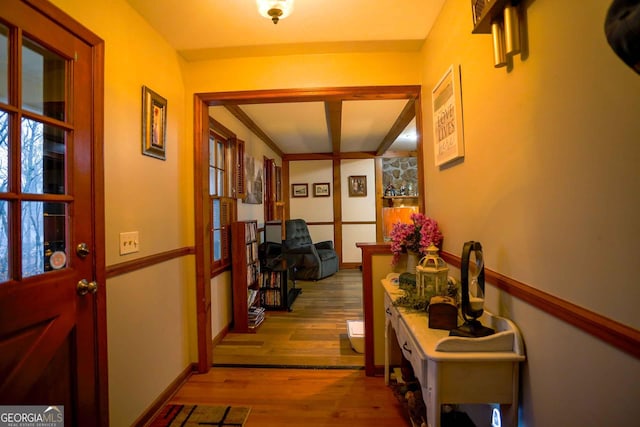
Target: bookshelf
{"x": 248, "y": 314}
{"x": 277, "y": 286}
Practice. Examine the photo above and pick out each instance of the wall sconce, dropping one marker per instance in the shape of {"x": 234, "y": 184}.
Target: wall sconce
{"x": 506, "y": 35}
{"x": 497, "y": 34}
{"x": 275, "y": 9}
{"x": 500, "y": 18}
{"x": 511, "y": 30}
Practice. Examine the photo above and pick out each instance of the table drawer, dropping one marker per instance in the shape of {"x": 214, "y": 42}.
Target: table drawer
{"x": 412, "y": 352}
{"x": 391, "y": 312}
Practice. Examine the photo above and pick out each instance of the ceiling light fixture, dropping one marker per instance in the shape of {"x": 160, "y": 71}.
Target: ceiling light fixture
{"x": 275, "y": 9}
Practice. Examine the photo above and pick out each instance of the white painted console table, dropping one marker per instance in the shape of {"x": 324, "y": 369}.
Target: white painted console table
{"x": 456, "y": 370}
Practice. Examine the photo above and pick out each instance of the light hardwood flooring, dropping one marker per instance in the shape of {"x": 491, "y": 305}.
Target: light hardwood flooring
{"x": 313, "y": 334}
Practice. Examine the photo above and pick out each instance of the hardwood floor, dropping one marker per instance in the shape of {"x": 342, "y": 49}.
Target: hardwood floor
{"x": 298, "y": 397}
{"x": 328, "y": 389}
{"x": 314, "y": 333}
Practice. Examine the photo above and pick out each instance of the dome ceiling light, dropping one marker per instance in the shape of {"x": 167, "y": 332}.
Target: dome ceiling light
{"x": 275, "y": 9}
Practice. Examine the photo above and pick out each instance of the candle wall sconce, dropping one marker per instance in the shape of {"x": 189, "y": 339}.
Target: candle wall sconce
{"x": 501, "y": 19}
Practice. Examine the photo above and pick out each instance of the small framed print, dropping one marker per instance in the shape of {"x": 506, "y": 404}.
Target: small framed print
{"x": 321, "y": 189}
{"x": 154, "y": 124}
{"x": 299, "y": 190}
{"x": 358, "y": 186}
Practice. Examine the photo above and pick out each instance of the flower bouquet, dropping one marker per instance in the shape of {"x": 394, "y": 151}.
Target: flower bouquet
{"x": 415, "y": 237}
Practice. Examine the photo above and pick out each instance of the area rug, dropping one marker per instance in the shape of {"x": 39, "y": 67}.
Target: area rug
{"x": 201, "y": 415}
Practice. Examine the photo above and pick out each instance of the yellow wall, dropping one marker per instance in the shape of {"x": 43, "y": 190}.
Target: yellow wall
{"x": 549, "y": 186}
{"x": 150, "y": 320}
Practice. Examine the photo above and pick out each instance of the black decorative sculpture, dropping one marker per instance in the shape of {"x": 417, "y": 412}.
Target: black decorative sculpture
{"x": 472, "y": 307}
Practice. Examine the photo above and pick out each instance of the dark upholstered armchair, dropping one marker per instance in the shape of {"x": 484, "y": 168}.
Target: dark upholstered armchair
{"x": 312, "y": 261}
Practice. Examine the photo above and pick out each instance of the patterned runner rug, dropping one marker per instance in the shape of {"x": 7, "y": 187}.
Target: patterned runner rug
{"x": 199, "y": 415}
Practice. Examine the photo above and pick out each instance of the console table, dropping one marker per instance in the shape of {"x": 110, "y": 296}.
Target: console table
{"x": 455, "y": 370}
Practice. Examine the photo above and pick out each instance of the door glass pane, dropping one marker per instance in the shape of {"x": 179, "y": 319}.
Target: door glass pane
{"x": 43, "y": 158}
{"x": 43, "y": 80}
{"x": 4, "y": 151}
{"x": 4, "y": 64}
{"x": 4, "y": 241}
{"x": 44, "y": 233}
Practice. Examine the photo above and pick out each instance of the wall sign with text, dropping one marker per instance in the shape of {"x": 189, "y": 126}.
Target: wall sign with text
{"x": 448, "y": 137}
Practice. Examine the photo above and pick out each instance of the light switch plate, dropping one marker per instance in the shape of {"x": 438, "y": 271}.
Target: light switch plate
{"x": 129, "y": 242}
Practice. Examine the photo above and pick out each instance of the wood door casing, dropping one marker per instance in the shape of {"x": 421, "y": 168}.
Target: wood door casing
{"x": 269, "y": 166}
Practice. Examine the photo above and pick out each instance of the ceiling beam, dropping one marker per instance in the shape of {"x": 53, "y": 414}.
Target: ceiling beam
{"x": 333, "y": 114}
{"x": 310, "y": 95}
{"x": 253, "y": 127}
{"x": 406, "y": 115}
{"x": 330, "y": 156}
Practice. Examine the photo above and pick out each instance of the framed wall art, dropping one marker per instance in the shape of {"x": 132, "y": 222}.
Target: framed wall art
{"x": 254, "y": 177}
{"x": 448, "y": 136}
{"x": 321, "y": 189}
{"x": 154, "y": 124}
{"x": 357, "y": 186}
{"x": 299, "y": 190}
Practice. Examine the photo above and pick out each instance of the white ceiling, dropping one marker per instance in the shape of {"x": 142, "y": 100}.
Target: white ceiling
{"x": 204, "y": 29}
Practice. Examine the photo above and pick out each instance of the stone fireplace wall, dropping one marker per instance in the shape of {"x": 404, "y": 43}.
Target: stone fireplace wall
{"x": 401, "y": 173}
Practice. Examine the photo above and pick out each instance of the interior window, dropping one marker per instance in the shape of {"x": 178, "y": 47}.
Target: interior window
{"x": 222, "y": 205}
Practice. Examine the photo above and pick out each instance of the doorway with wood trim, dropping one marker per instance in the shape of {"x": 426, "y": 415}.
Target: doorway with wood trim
{"x": 231, "y": 100}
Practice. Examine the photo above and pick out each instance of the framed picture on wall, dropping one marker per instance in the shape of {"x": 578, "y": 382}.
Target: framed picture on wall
{"x": 446, "y": 100}
{"x": 321, "y": 189}
{"x": 254, "y": 178}
{"x": 357, "y": 186}
{"x": 154, "y": 124}
{"x": 299, "y": 190}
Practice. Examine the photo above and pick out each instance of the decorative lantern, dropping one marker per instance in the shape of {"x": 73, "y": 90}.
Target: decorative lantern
{"x": 432, "y": 273}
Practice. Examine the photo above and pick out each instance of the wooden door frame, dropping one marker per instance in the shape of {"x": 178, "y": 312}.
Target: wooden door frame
{"x": 96, "y": 45}
{"x": 202, "y": 102}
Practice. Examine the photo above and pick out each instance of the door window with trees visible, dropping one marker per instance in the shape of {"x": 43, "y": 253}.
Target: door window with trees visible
{"x": 32, "y": 162}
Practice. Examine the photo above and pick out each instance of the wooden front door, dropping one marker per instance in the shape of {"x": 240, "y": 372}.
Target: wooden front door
{"x": 49, "y": 346}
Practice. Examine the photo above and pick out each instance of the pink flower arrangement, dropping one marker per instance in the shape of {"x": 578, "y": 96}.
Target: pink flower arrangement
{"x": 414, "y": 237}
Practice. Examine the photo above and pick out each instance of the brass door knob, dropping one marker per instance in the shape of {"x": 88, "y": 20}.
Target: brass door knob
{"x": 84, "y": 287}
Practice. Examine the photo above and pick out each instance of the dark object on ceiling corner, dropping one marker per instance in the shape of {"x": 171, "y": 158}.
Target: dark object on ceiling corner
{"x": 622, "y": 28}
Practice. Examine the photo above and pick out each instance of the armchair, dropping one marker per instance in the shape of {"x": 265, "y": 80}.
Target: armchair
{"x": 312, "y": 261}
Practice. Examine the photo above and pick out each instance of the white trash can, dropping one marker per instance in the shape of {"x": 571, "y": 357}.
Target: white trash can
{"x": 355, "y": 331}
